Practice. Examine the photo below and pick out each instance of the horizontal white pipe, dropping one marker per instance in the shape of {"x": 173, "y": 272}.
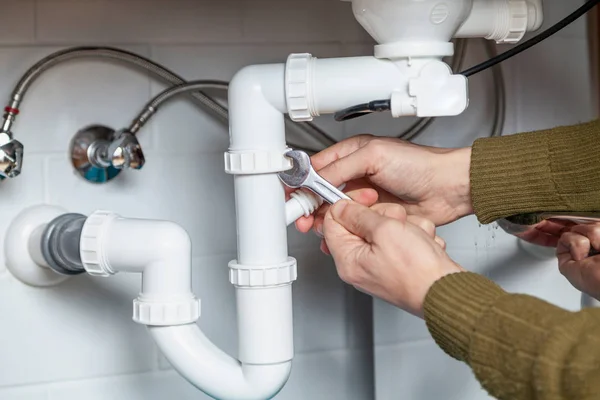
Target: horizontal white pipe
{"x": 293, "y": 211}
{"x": 491, "y": 19}
{"x": 302, "y": 203}
{"x": 339, "y": 83}
{"x": 214, "y": 372}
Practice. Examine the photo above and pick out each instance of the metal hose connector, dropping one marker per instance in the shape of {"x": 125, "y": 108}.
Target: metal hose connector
{"x": 205, "y": 102}
{"x": 154, "y": 104}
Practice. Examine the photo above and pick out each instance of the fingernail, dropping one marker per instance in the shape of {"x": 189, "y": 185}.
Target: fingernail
{"x": 319, "y": 231}
{"x": 338, "y": 208}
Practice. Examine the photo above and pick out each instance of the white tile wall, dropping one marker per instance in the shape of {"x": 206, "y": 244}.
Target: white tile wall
{"x": 77, "y": 341}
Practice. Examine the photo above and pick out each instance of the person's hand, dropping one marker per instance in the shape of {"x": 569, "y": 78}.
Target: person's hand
{"x": 545, "y": 233}
{"x": 573, "y": 250}
{"x": 430, "y": 182}
{"x": 380, "y": 252}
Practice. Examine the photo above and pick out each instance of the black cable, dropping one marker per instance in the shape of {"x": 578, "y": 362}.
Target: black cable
{"x": 362, "y": 109}
{"x": 533, "y": 41}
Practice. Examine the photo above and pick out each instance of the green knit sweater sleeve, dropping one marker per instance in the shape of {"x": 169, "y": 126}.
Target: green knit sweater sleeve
{"x": 550, "y": 170}
{"x": 519, "y": 347}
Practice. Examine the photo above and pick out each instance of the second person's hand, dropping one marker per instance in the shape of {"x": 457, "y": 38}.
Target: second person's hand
{"x": 574, "y": 261}
{"x": 378, "y": 251}
{"x": 429, "y": 182}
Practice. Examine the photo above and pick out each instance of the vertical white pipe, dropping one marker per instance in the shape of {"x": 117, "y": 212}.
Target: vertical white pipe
{"x": 261, "y": 222}
{"x": 265, "y": 324}
{"x": 257, "y": 103}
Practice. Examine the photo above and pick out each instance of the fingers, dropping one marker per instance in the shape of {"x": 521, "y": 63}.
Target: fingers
{"x": 554, "y": 227}
{"x": 539, "y": 238}
{"x": 391, "y": 210}
{"x": 574, "y": 261}
{"x": 340, "y": 241}
{"x": 304, "y": 224}
{"x": 591, "y": 232}
{"x": 339, "y": 150}
{"x": 423, "y": 223}
{"x": 324, "y": 248}
{"x": 573, "y": 246}
{"x": 441, "y": 242}
{"x": 356, "y": 165}
{"x": 428, "y": 226}
{"x": 357, "y": 219}
{"x": 398, "y": 212}
{"x": 365, "y": 196}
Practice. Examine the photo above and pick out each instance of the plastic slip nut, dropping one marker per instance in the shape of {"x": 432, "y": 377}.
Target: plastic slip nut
{"x": 91, "y": 239}
{"x": 166, "y": 314}
{"x": 297, "y": 80}
{"x": 251, "y": 276}
{"x": 256, "y": 163}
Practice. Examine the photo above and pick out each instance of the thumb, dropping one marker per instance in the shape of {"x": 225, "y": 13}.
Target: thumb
{"x": 357, "y": 219}
{"x": 391, "y": 210}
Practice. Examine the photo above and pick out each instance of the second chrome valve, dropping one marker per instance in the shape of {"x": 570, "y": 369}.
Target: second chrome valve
{"x": 99, "y": 153}
{"x": 11, "y": 156}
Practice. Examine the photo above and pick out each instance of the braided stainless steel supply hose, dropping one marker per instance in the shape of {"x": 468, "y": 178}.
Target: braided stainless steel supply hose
{"x": 205, "y": 102}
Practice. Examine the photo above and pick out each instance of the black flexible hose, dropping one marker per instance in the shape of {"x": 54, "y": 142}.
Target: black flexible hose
{"x": 533, "y": 41}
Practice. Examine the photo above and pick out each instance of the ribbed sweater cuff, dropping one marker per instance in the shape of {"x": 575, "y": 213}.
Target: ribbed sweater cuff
{"x": 550, "y": 170}
{"x": 453, "y": 306}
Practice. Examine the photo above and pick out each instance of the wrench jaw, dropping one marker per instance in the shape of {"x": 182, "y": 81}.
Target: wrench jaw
{"x": 297, "y": 175}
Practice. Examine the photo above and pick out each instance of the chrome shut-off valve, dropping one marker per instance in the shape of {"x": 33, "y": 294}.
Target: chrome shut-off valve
{"x": 126, "y": 152}
{"x": 11, "y": 156}
{"x": 99, "y": 153}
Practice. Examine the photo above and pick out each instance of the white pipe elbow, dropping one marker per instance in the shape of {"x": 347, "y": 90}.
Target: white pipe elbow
{"x": 257, "y": 103}
{"x": 214, "y": 372}
{"x": 160, "y": 250}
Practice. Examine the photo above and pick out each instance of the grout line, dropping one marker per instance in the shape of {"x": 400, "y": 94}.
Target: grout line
{"x": 46, "y": 179}
{"x": 262, "y": 43}
{"x": 214, "y": 255}
{"x": 49, "y": 384}
{"x": 35, "y": 20}
{"x": 349, "y": 319}
{"x": 153, "y": 373}
{"x": 400, "y": 345}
